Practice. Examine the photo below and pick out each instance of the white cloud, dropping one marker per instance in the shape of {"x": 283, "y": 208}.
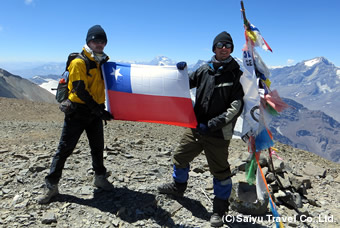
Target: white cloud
{"x": 28, "y": 2}
{"x": 1, "y": 28}
{"x": 290, "y": 61}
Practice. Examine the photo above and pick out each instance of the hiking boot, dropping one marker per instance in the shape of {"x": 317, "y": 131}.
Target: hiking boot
{"x": 174, "y": 188}
{"x": 100, "y": 181}
{"x": 49, "y": 194}
{"x": 220, "y": 207}
{"x": 216, "y": 220}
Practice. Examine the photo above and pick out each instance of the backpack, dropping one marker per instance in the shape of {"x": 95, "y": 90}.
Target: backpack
{"x": 61, "y": 96}
{"x": 62, "y": 89}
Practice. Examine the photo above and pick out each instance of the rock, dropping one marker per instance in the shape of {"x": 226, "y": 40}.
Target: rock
{"x": 164, "y": 154}
{"x": 17, "y": 199}
{"x": 300, "y": 184}
{"x": 127, "y": 155}
{"x": 337, "y": 179}
{"x": 263, "y": 160}
{"x": 279, "y": 194}
{"x": 49, "y": 218}
{"x": 139, "y": 141}
{"x": 284, "y": 181}
{"x": 3, "y": 151}
{"x": 244, "y": 200}
{"x": 86, "y": 190}
{"x": 36, "y": 168}
{"x": 265, "y": 171}
{"x": 292, "y": 199}
{"x": 270, "y": 178}
{"x": 278, "y": 166}
{"x": 174, "y": 208}
{"x": 314, "y": 170}
{"x": 115, "y": 222}
{"x": 198, "y": 170}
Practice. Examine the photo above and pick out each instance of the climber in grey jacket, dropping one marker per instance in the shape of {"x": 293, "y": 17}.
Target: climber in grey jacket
{"x": 219, "y": 101}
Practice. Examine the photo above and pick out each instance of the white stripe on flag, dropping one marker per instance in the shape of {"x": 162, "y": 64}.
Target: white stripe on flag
{"x": 159, "y": 81}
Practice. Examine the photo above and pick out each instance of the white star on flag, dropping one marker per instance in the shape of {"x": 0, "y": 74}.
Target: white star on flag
{"x": 116, "y": 73}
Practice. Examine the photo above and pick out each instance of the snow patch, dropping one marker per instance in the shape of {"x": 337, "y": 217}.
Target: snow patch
{"x": 324, "y": 88}
{"x": 49, "y": 85}
{"x": 275, "y": 67}
{"x": 312, "y": 62}
{"x": 278, "y": 130}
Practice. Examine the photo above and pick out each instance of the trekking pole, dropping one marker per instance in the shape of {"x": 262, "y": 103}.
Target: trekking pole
{"x": 206, "y": 195}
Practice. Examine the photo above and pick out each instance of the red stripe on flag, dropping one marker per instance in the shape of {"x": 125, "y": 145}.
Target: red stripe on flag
{"x": 155, "y": 109}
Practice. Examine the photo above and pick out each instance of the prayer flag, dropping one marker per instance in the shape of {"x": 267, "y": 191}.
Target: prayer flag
{"x": 251, "y": 111}
{"x": 255, "y": 35}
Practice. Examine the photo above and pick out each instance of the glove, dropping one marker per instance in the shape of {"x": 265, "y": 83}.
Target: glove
{"x": 102, "y": 113}
{"x": 97, "y": 111}
{"x": 181, "y": 65}
{"x": 202, "y": 129}
{"x": 106, "y": 116}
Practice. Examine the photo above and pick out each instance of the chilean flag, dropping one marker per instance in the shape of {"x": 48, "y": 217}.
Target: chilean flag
{"x": 157, "y": 94}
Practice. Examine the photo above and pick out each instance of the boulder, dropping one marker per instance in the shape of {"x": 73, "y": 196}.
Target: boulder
{"x": 244, "y": 200}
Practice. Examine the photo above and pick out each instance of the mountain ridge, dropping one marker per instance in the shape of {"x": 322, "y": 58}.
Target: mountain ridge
{"x": 13, "y": 86}
{"x": 315, "y": 83}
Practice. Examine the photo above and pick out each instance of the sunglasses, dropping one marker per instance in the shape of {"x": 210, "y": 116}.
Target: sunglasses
{"x": 99, "y": 41}
{"x": 220, "y": 45}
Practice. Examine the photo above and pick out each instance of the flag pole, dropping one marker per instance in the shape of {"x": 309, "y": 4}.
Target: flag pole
{"x": 245, "y": 21}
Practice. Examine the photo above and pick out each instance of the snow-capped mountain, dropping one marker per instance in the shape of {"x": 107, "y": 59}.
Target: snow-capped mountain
{"x": 314, "y": 83}
{"x": 196, "y": 65}
{"x": 161, "y": 61}
{"x": 200, "y": 63}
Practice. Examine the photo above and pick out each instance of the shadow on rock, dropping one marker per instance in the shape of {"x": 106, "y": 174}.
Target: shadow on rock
{"x": 196, "y": 207}
{"x": 130, "y": 206}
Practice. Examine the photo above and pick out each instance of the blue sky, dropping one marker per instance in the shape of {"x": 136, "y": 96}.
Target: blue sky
{"x": 183, "y": 30}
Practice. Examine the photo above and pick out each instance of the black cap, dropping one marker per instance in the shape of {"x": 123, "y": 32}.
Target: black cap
{"x": 96, "y": 32}
{"x": 223, "y": 37}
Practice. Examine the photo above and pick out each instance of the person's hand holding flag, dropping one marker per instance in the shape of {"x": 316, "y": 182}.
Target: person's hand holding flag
{"x": 181, "y": 65}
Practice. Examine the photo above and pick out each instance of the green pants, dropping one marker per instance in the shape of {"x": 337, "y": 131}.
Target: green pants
{"x": 216, "y": 152}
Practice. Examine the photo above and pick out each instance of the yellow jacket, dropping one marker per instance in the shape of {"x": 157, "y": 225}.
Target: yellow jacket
{"x": 93, "y": 85}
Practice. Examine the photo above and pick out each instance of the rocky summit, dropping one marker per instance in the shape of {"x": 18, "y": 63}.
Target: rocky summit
{"x": 304, "y": 186}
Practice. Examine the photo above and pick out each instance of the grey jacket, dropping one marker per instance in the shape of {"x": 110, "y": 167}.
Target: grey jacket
{"x": 219, "y": 97}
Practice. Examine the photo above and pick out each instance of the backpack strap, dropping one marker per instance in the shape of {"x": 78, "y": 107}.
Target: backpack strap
{"x": 87, "y": 62}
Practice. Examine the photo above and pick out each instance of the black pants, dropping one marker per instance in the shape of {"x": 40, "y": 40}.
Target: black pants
{"x": 74, "y": 126}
